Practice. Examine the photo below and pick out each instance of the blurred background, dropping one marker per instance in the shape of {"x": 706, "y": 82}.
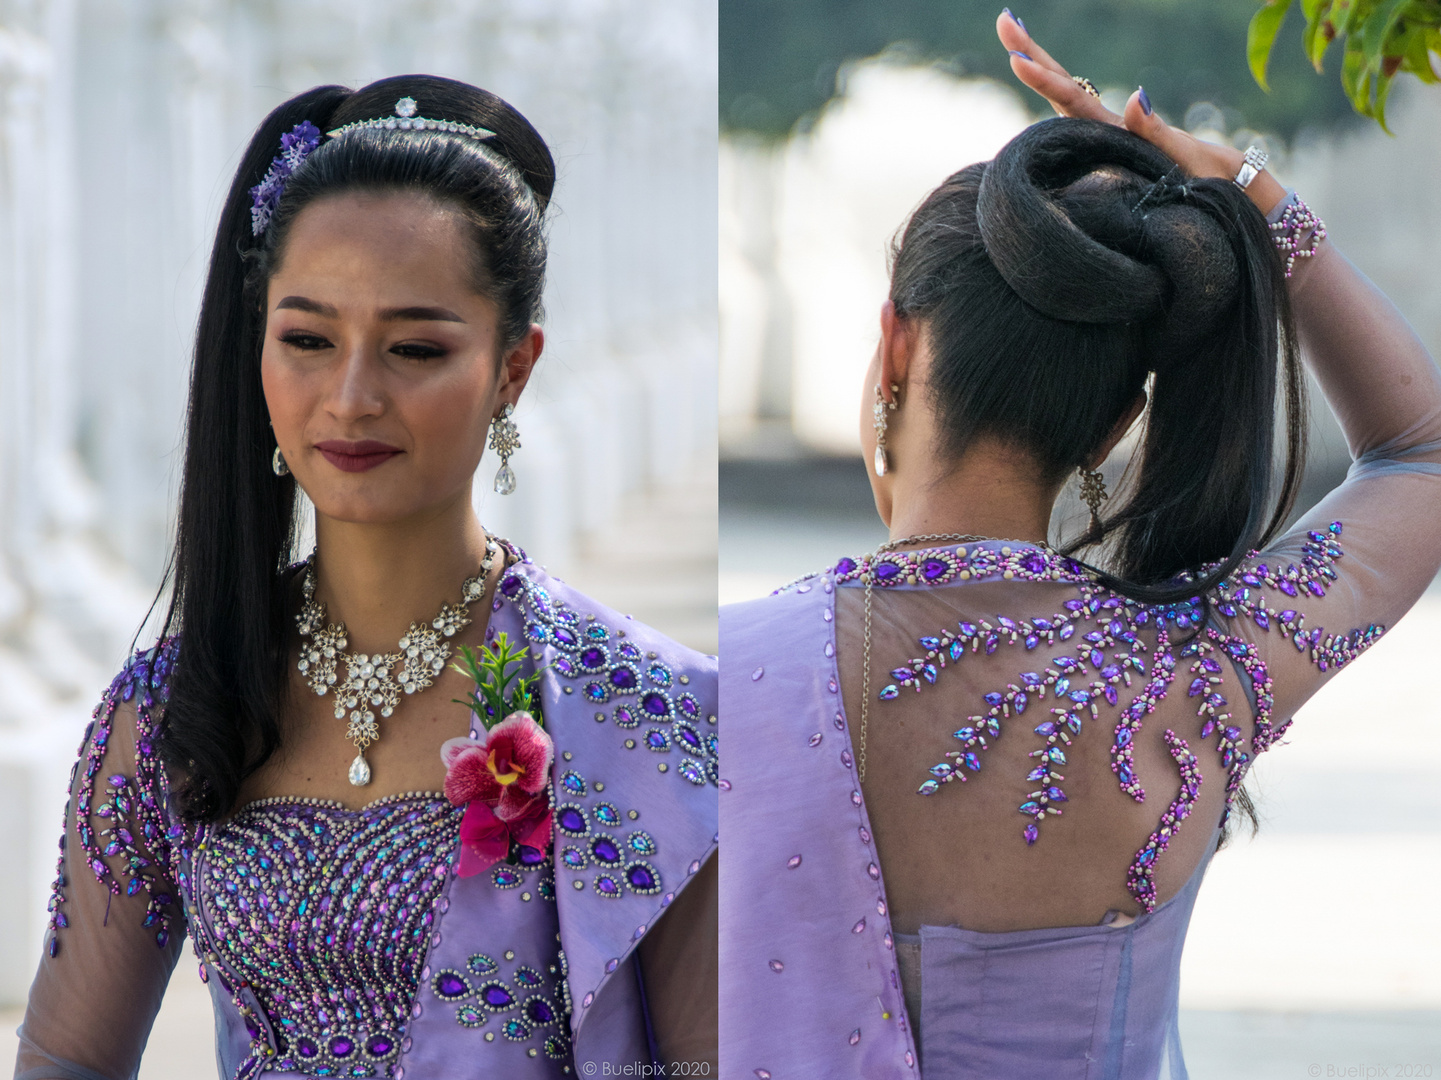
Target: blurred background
{"x": 1309, "y": 946}
{"x": 121, "y": 122}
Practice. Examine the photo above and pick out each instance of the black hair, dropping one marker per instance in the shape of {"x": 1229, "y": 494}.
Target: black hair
{"x": 1054, "y": 281}
{"x": 230, "y": 600}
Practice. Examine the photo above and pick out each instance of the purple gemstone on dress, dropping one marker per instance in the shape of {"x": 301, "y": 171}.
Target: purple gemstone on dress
{"x": 968, "y": 629}
{"x": 379, "y": 1045}
{"x": 530, "y": 856}
{"x": 538, "y": 1011}
{"x": 845, "y": 566}
{"x": 1123, "y": 737}
{"x": 251, "y": 1026}
{"x": 993, "y": 699}
{"x": 933, "y": 569}
{"x": 510, "y": 586}
{"x": 592, "y": 657}
{"x": 640, "y": 877}
{"x": 654, "y": 704}
{"x": 1031, "y": 833}
{"x": 1034, "y": 563}
{"x": 1005, "y": 622}
{"x": 306, "y": 1048}
{"x": 623, "y": 678}
{"x": 564, "y": 636}
{"x": 497, "y": 996}
{"x": 607, "y": 885}
{"x": 450, "y": 985}
{"x": 887, "y": 572}
{"x": 903, "y": 674}
{"x": 890, "y": 693}
{"x": 1056, "y": 794}
{"x": 572, "y": 820}
{"x": 605, "y": 850}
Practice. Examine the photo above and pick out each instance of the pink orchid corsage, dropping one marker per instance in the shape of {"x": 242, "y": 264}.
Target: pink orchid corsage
{"x": 503, "y": 781}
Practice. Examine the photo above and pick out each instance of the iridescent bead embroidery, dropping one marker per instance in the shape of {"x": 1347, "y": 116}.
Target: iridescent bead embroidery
{"x": 608, "y": 668}
{"x": 1105, "y": 659}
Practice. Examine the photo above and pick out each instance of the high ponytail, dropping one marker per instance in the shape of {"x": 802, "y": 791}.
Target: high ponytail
{"x": 230, "y": 603}
{"x": 1055, "y": 280}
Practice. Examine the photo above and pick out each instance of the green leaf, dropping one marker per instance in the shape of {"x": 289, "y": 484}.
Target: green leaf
{"x": 1261, "y": 36}
{"x": 1377, "y": 28}
{"x": 1344, "y": 15}
{"x": 1353, "y": 76}
{"x": 1313, "y": 39}
{"x": 1383, "y": 88}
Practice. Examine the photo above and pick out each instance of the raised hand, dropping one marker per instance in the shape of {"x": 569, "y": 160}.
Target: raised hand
{"x": 1039, "y": 70}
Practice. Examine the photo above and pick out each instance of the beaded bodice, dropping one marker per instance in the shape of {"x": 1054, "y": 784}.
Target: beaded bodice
{"x": 324, "y": 913}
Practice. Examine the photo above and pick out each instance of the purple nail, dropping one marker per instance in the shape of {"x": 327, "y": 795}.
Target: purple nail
{"x": 1022, "y": 55}
{"x": 1145, "y": 101}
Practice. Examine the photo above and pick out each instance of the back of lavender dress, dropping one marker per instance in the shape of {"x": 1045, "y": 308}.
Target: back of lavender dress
{"x": 1008, "y": 890}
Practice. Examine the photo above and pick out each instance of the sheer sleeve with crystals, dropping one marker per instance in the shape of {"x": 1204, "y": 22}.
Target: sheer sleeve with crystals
{"x": 115, "y": 925}
{"x": 1077, "y": 750}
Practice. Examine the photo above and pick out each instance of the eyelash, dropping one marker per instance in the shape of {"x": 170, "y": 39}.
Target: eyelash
{"x": 314, "y": 343}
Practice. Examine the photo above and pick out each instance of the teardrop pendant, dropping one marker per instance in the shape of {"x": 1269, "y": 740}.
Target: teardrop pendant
{"x": 880, "y": 461}
{"x": 359, "y": 770}
{"x": 505, "y": 480}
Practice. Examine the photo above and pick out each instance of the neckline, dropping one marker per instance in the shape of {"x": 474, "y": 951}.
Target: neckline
{"x": 336, "y": 804}
{"x": 972, "y": 560}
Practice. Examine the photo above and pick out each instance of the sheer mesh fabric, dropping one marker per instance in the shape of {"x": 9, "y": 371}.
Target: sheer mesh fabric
{"x": 958, "y": 857}
{"x": 92, "y": 1004}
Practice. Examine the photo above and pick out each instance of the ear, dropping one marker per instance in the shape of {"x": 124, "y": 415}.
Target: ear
{"x": 1118, "y": 431}
{"x": 897, "y": 349}
{"x": 518, "y": 363}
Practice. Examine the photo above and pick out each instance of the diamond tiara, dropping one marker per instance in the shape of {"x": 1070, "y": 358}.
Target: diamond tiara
{"x": 406, "y": 120}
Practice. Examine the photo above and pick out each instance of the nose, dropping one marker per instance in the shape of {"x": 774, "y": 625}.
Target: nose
{"x": 356, "y": 392}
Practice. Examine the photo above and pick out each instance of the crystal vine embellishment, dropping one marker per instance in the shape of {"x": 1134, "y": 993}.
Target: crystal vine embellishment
{"x": 373, "y": 683}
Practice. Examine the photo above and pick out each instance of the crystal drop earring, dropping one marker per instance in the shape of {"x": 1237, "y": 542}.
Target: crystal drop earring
{"x": 878, "y": 411}
{"x": 504, "y": 440}
{"x": 277, "y": 463}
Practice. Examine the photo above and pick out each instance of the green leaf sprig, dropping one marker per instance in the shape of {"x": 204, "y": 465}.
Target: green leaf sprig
{"x": 493, "y": 698}
{"x": 1380, "y": 39}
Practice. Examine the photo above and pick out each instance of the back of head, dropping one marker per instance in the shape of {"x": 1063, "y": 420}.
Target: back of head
{"x": 237, "y": 518}
{"x": 1059, "y": 279}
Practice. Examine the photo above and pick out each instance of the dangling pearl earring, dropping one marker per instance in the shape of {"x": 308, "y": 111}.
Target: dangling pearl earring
{"x": 504, "y": 440}
{"x": 878, "y": 410}
{"x": 277, "y": 463}
{"x": 1093, "y": 492}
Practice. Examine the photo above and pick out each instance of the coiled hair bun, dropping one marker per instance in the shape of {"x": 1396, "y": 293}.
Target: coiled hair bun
{"x": 1078, "y": 270}
{"x": 1090, "y": 223}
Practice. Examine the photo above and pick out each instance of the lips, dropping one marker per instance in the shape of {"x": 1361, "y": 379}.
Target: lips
{"x": 359, "y": 456}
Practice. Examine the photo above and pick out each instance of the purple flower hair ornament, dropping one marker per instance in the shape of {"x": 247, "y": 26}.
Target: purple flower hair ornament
{"x": 295, "y": 147}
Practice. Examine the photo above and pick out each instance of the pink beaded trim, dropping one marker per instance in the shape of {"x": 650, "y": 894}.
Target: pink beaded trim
{"x": 1290, "y": 234}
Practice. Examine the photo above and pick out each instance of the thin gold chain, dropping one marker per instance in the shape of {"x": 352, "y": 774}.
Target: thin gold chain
{"x": 869, "y": 564}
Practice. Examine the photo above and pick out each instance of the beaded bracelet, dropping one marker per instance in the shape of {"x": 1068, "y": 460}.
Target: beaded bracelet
{"x": 1289, "y": 233}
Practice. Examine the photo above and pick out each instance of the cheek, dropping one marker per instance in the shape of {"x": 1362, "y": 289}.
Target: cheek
{"x": 284, "y": 395}
{"x": 449, "y": 416}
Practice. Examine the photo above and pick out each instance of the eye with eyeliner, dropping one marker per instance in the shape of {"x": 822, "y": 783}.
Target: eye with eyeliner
{"x": 306, "y": 342}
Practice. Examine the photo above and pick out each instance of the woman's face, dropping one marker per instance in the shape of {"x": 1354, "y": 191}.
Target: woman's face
{"x": 381, "y": 363}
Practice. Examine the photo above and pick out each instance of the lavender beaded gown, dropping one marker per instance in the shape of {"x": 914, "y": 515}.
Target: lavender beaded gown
{"x": 1044, "y": 756}
{"x": 341, "y": 942}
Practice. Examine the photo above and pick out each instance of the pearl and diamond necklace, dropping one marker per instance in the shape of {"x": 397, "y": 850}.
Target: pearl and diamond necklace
{"x": 375, "y": 681}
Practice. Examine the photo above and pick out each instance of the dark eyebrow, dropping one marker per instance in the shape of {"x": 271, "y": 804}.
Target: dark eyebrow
{"x": 407, "y": 314}
{"x": 420, "y": 314}
{"x": 301, "y": 303}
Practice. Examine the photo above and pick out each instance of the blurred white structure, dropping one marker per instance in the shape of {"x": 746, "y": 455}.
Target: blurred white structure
{"x": 121, "y": 122}
{"x": 806, "y": 225}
